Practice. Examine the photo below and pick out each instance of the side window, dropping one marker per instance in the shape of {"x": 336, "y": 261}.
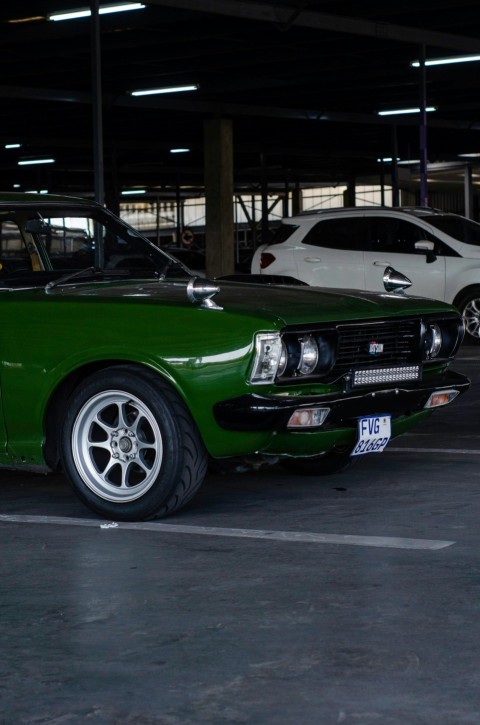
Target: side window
{"x": 68, "y": 242}
{"x": 395, "y": 235}
{"x": 346, "y": 233}
{"x": 13, "y": 252}
{"x": 283, "y": 232}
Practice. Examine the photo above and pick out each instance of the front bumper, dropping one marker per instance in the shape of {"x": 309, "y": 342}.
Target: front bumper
{"x": 272, "y": 412}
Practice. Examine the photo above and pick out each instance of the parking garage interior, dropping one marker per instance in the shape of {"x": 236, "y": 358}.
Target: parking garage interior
{"x": 271, "y": 598}
{"x": 284, "y": 97}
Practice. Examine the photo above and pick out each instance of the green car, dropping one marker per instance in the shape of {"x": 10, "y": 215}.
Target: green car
{"x": 130, "y": 374}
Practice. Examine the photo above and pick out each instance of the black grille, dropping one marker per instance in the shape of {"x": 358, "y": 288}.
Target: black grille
{"x": 397, "y": 342}
{"x": 383, "y": 351}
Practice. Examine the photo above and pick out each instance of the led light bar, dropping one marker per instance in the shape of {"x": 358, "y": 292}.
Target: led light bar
{"x": 376, "y": 376}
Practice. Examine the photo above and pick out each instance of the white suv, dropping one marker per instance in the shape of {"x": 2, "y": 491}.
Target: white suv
{"x": 350, "y": 248}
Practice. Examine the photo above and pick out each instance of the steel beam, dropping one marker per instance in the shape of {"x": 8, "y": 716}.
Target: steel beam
{"x": 286, "y": 16}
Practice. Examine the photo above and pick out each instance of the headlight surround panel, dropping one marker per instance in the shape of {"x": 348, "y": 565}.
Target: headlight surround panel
{"x": 293, "y": 356}
{"x": 329, "y": 353}
{"x": 441, "y": 337}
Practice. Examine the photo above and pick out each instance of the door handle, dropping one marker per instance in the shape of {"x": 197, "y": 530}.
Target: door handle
{"x": 379, "y": 263}
{"x": 312, "y": 259}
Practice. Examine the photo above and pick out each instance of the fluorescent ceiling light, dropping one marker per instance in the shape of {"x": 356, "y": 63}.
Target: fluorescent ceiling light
{"x": 387, "y": 159}
{"x": 103, "y": 10}
{"x": 31, "y": 162}
{"x": 470, "y": 156}
{"x": 447, "y": 61}
{"x": 29, "y": 19}
{"x": 16, "y": 186}
{"x": 12, "y": 145}
{"x": 166, "y": 89}
{"x": 401, "y": 111}
{"x": 134, "y": 191}
{"x": 179, "y": 151}
{"x": 406, "y": 162}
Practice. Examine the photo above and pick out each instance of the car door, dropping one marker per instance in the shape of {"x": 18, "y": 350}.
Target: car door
{"x": 15, "y": 258}
{"x": 331, "y": 254}
{"x": 391, "y": 243}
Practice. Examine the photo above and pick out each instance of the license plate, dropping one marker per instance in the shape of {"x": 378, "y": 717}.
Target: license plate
{"x": 373, "y": 434}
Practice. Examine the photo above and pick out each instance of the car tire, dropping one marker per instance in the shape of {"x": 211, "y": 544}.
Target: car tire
{"x": 469, "y": 307}
{"x": 332, "y": 462}
{"x": 130, "y": 448}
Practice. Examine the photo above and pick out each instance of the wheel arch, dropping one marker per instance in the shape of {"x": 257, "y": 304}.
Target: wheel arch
{"x": 464, "y": 293}
{"x": 58, "y": 401}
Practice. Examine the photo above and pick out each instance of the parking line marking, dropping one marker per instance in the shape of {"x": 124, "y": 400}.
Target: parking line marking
{"x": 473, "y": 452}
{"x": 389, "y": 542}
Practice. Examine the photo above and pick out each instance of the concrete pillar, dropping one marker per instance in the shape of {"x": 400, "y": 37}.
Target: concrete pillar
{"x": 218, "y": 170}
{"x": 349, "y": 194}
{"x": 297, "y": 205}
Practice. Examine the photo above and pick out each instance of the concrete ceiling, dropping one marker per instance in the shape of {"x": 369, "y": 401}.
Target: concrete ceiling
{"x": 302, "y": 83}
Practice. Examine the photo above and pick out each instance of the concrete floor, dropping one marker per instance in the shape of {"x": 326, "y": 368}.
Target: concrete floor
{"x": 272, "y": 599}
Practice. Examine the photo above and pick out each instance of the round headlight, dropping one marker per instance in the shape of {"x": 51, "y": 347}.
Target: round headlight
{"x": 308, "y": 355}
{"x": 433, "y": 340}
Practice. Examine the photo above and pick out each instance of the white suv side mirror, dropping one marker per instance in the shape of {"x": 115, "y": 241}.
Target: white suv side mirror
{"x": 425, "y": 245}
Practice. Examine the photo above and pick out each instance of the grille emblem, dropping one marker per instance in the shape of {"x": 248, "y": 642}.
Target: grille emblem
{"x": 375, "y": 347}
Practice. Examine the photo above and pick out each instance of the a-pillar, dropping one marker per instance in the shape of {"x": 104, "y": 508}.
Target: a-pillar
{"x": 218, "y": 170}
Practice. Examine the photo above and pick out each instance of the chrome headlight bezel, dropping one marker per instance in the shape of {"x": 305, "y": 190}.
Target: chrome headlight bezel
{"x": 308, "y": 355}
{"x": 433, "y": 340}
{"x": 441, "y": 336}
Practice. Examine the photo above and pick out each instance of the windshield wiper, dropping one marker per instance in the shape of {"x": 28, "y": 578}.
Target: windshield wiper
{"x": 172, "y": 262}
{"x": 72, "y": 275}
{"x": 87, "y": 272}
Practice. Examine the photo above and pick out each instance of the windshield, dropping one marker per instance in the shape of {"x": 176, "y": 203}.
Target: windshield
{"x": 48, "y": 242}
{"x": 457, "y": 227}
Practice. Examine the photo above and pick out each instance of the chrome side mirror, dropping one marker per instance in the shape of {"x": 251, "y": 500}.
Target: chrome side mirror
{"x": 201, "y": 291}
{"x": 394, "y": 281}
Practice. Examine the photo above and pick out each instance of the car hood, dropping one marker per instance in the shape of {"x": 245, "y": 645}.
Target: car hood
{"x": 283, "y": 304}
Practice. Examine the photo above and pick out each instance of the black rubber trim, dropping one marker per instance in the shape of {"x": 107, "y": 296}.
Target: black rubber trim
{"x": 272, "y": 412}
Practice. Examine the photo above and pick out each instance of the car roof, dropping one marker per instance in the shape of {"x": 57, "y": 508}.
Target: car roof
{"x": 417, "y": 211}
{"x": 9, "y": 198}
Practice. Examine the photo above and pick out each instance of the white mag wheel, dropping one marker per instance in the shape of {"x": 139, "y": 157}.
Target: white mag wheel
{"x": 117, "y": 446}
{"x": 471, "y": 315}
{"x": 130, "y": 447}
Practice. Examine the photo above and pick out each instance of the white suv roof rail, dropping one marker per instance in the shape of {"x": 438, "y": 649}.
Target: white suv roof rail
{"x": 417, "y": 210}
